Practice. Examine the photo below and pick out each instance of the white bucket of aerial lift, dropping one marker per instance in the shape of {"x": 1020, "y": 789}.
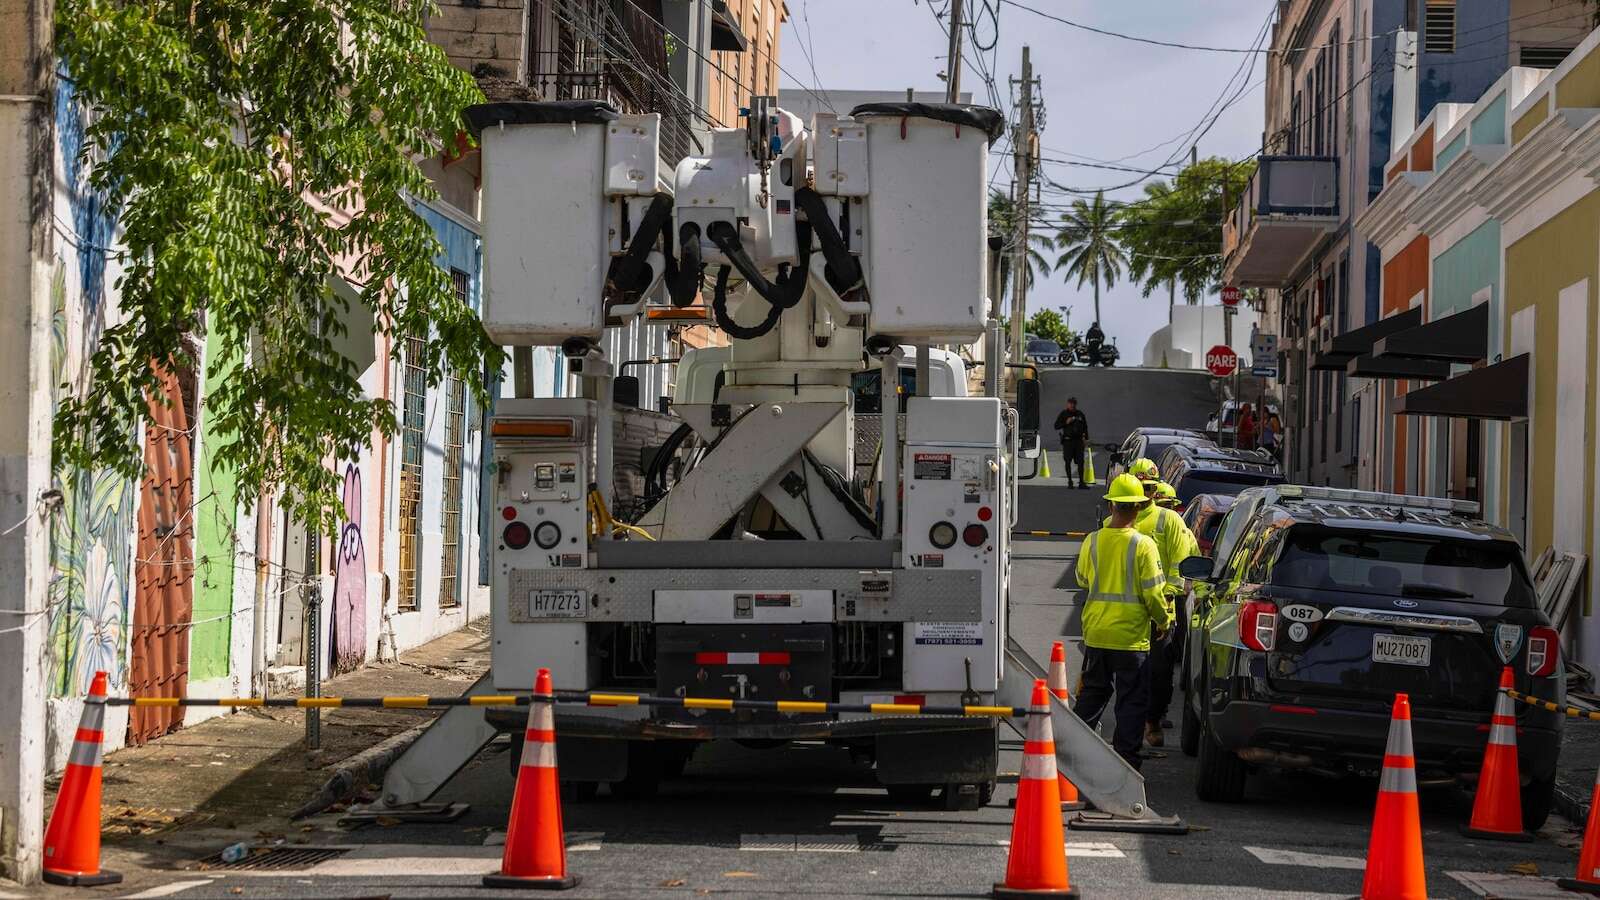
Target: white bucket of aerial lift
{"x": 551, "y": 193}
{"x": 918, "y": 218}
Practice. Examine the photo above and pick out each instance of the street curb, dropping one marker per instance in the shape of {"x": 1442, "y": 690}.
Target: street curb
{"x": 1571, "y": 805}
{"x": 367, "y": 767}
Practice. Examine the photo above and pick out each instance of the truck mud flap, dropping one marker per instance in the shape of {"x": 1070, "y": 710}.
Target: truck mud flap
{"x": 1115, "y": 788}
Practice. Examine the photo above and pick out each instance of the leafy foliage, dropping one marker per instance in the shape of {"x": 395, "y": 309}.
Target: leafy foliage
{"x": 1048, "y": 324}
{"x": 257, "y": 150}
{"x": 1003, "y": 224}
{"x": 1091, "y": 250}
{"x": 1174, "y": 235}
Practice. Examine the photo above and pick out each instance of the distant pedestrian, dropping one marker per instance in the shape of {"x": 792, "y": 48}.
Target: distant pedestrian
{"x": 1245, "y": 436}
{"x": 1270, "y": 427}
{"x": 1073, "y": 427}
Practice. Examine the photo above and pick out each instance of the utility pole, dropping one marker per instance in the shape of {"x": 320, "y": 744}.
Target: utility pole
{"x": 952, "y": 82}
{"x": 1022, "y": 177}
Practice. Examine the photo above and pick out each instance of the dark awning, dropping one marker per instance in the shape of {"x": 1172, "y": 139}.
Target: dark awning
{"x": 1369, "y": 366}
{"x": 1498, "y": 392}
{"x": 1462, "y": 338}
{"x": 1345, "y": 347}
{"x": 725, "y": 33}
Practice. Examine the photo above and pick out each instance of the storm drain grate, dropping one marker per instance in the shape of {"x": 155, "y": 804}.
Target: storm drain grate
{"x": 277, "y": 858}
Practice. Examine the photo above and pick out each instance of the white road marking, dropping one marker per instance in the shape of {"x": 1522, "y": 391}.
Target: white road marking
{"x": 165, "y": 890}
{"x": 1276, "y": 857}
{"x": 1504, "y": 886}
{"x": 577, "y": 841}
{"x": 1087, "y": 849}
{"x": 800, "y": 843}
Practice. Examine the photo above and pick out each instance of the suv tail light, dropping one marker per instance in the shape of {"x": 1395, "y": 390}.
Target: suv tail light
{"x": 1544, "y": 651}
{"x": 1258, "y": 625}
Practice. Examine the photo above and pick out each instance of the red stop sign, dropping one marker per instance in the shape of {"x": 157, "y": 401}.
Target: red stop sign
{"x": 1221, "y": 360}
{"x": 1230, "y": 295}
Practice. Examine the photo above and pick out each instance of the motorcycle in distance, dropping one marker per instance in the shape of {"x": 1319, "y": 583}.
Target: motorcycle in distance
{"x": 1090, "y": 353}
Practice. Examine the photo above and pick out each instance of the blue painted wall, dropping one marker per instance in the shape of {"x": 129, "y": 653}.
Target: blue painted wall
{"x": 1482, "y": 53}
{"x": 1469, "y": 266}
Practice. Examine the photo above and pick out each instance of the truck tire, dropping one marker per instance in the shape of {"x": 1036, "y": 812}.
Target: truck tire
{"x": 1538, "y": 796}
{"x": 1220, "y": 775}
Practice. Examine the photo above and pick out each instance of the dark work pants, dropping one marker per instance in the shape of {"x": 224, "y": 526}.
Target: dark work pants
{"x": 1164, "y": 658}
{"x": 1123, "y": 673}
{"x": 1072, "y": 455}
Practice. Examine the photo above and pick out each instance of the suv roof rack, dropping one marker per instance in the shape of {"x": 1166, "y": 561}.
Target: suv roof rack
{"x": 1376, "y": 498}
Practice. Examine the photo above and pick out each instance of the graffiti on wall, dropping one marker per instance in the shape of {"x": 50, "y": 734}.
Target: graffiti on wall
{"x": 91, "y": 535}
{"x": 347, "y": 632}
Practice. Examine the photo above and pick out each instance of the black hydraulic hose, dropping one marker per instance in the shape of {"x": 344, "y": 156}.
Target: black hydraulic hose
{"x": 790, "y": 285}
{"x": 629, "y": 272}
{"x": 719, "y": 311}
{"x": 844, "y": 270}
{"x": 836, "y": 485}
{"x": 684, "y": 277}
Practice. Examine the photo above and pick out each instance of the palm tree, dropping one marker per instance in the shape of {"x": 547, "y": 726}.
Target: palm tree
{"x": 1003, "y": 223}
{"x": 1089, "y": 247}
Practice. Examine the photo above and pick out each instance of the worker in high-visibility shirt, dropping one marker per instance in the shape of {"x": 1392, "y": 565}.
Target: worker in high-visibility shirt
{"x": 1120, "y": 572}
{"x": 1165, "y": 653}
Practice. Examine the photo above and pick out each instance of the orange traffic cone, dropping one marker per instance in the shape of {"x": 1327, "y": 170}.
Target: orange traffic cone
{"x": 1394, "y": 853}
{"x": 1588, "y": 879}
{"x": 72, "y": 840}
{"x": 1037, "y": 863}
{"x": 536, "y": 846}
{"x": 1070, "y": 800}
{"x": 1497, "y": 808}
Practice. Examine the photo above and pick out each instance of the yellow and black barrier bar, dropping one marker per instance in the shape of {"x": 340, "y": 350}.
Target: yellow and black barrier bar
{"x": 1069, "y": 534}
{"x": 1547, "y": 705}
{"x": 588, "y": 698}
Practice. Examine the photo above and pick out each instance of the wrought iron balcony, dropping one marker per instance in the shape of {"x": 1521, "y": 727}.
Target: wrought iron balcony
{"x": 1292, "y": 202}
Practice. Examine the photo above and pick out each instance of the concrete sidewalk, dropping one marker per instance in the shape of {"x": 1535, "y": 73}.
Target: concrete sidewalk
{"x": 238, "y": 777}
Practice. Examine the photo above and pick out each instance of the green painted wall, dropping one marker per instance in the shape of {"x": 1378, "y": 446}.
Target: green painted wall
{"x": 1470, "y": 265}
{"x": 1490, "y": 125}
{"x": 1558, "y": 253}
{"x": 1451, "y": 151}
{"x": 216, "y": 496}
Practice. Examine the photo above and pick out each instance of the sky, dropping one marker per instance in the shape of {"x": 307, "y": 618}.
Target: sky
{"x": 1104, "y": 98}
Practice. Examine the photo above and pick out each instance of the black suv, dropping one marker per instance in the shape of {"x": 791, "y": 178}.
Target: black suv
{"x": 1194, "y": 469}
{"x": 1149, "y": 443}
{"x": 1322, "y": 604}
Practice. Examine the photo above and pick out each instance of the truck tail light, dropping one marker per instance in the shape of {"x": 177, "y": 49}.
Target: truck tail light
{"x": 1258, "y": 625}
{"x": 1544, "y": 651}
{"x": 974, "y": 535}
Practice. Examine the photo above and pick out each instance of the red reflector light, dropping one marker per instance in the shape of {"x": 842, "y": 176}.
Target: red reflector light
{"x": 910, "y": 700}
{"x": 974, "y": 535}
{"x": 1292, "y": 710}
{"x": 1258, "y": 625}
{"x": 509, "y": 514}
{"x": 1544, "y": 651}
{"x": 517, "y": 535}
{"x": 780, "y": 658}
{"x": 985, "y": 514}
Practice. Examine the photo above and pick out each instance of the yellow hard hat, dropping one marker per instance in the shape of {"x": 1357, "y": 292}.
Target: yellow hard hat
{"x": 1166, "y": 495}
{"x": 1126, "y": 489}
{"x": 1144, "y": 469}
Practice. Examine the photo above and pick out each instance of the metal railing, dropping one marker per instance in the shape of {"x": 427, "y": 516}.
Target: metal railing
{"x": 616, "y": 52}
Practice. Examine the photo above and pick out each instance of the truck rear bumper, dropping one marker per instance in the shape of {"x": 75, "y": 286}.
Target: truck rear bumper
{"x": 586, "y": 723}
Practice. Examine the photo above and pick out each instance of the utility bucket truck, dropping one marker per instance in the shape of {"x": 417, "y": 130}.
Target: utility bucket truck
{"x": 786, "y": 534}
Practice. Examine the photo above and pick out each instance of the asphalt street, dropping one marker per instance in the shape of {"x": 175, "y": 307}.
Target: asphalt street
{"x": 807, "y": 821}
